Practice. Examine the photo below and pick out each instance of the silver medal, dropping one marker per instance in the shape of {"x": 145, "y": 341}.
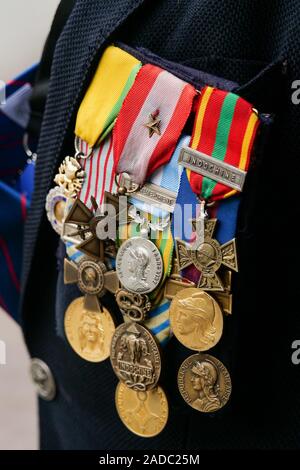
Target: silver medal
{"x": 139, "y": 265}
{"x": 55, "y": 207}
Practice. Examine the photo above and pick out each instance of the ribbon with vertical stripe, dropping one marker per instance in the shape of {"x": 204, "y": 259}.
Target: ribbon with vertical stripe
{"x": 158, "y": 93}
{"x": 225, "y": 128}
{"x": 100, "y": 176}
{"x": 102, "y": 102}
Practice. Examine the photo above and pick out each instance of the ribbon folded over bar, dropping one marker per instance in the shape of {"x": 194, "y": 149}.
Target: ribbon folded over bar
{"x": 225, "y": 128}
{"x": 166, "y": 177}
{"x": 150, "y": 122}
{"x": 102, "y": 102}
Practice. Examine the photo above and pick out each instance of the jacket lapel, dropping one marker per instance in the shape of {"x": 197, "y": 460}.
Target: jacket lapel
{"x": 89, "y": 26}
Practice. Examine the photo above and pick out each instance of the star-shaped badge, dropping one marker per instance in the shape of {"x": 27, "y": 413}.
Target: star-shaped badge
{"x": 153, "y": 125}
{"x": 208, "y": 257}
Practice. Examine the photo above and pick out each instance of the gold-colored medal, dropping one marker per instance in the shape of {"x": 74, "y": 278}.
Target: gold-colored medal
{"x": 196, "y": 319}
{"x": 89, "y": 332}
{"x": 204, "y": 383}
{"x": 144, "y": 413}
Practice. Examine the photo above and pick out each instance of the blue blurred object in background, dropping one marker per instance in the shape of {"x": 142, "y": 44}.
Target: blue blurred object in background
{"x": 16, "y": 186}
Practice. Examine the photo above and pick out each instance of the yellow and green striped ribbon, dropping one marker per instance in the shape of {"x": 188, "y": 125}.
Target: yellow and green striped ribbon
{"x": 102, "y": 102}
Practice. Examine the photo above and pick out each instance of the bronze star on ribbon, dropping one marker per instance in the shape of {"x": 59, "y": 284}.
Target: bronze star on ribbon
{"x": 154, "y": 124}
{"x": 208, "y": 257}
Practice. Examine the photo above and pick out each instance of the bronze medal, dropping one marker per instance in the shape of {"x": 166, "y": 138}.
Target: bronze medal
{"x": 143, "y": 413}
{"x": 88, "y": 332}
{"x": 204, "y": 383}
{"x": 208, "y": 257}
{"x": 196, "y": 319}
{"x": 135, "y": 356}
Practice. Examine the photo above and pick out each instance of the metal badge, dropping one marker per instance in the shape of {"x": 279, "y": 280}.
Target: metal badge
{"x": 176, "y": 283}
{"x": 196, "y": 319}
{"x": 204, "y": 383}
{"x": 43, "y": 379}
{"x": 143, "y": 413}
{"x": 150, "y": 193}
{"x": 90, "y": 225}
{"x": 133, "y": 306}
{"x": 213, "y": 168}
{"x": 139, "y": 265}
{"x": 86, "y": 222}
{"x": 55, "y": 208}
{"x": 154, "y": 123}
{"x": 208, "y": 258}
{"x": 93, "y": 280}
{"x": 70, "y": 176}
{"x": 89, "y": 333}
{"x": 135, "y": 357}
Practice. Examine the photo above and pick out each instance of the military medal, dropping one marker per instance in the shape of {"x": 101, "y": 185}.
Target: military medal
{"x": 144, "y": 413}
{"x": 55, "y": 208}
{"x": 196, "y": 319}
{"x": 215, "y": 163}
{"x": 204, "y": 383}
{"x": 89, "y": 332}
{"x": 90, "y": 225}
{"x": 135, "y": 357}
{"x": 70, "y": 176}
{"x": 208, "y": 257}
{"x": 92, "y": 278}
{"x": 139, "y": 265}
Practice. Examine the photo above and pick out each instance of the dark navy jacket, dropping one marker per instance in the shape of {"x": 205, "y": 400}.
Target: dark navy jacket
{"x": 238, "y": 40}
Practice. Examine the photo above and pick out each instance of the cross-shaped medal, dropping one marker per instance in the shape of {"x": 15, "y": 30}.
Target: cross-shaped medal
{"x": 88, "y": 224}
{"x": 207, "y": 256}
{"x": 93, "y": 280}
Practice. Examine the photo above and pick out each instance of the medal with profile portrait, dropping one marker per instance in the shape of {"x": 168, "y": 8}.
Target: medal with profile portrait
{"x": 196, "y": 319}
{"x": 139, "y": 265}
{"x": 88, "y": 332}
{"x": 204, "y": 383}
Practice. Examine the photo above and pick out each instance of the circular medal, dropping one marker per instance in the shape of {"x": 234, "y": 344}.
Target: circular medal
{"x": 55, "y": 208}
{"x": 143, "y": 413}
{"x": 91, "y": 276}
{"x": 135, "y": 356}
{"x": 204, "y": 383}
{"x": 196, "y": 319}
{"x": 139, "y": 265}
{"x": 89, "y": 333}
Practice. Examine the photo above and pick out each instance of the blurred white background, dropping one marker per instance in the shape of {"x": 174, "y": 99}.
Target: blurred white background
{"x": 24, "y": 25}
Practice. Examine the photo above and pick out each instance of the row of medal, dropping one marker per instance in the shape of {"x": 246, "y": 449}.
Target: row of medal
{"x": 196, "y": 317}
